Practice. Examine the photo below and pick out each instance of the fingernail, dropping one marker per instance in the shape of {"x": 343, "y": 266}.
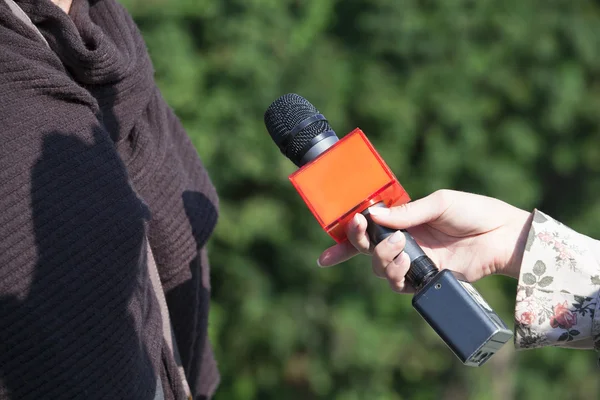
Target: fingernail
{"x": 379, "y": 210}
{"x": 355, "y": 220}
{"x": 400, "y": 257}
{"x": 396, "y": 237}
{"x": 401, "y": 285}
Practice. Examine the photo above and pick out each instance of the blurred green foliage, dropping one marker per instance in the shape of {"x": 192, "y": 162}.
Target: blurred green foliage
{"x": 495, "y": 97}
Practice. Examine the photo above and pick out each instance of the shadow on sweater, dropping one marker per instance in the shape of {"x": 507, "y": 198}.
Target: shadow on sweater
{"x": 83, "y": 325}
{"x": 192, "y": 335}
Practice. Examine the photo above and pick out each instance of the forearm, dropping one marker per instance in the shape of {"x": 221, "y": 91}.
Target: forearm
{"x": 558, "y": 287}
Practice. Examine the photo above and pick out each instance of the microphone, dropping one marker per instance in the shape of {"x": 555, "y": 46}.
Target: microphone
{"x": 340, "y": 177}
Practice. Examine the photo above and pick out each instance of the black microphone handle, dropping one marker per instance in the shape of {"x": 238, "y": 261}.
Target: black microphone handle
{"x": 422, "y": 269}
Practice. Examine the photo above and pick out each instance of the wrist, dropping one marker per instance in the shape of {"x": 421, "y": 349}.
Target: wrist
{"x": 519, "y": 232}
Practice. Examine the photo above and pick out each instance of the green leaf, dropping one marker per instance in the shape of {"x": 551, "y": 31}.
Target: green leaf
{"x": 595, "y": 280}
{"x": 530, "y": 239}
{"x": 563, "y": 337}
{"x": 529, "y": 279}
{"x": 574, "y": 332}
{"x": 545, "y": 281}
{"x": 539, "y": 268}
{"x": 519, "y": 328}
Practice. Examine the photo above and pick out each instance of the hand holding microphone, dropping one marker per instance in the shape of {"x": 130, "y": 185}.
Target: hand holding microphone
{"x": 467, "y": 233}
{"x": 340, "y": 178}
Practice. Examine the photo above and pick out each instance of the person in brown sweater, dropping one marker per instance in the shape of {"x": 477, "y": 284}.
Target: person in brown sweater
{"x": 98, "y": 180}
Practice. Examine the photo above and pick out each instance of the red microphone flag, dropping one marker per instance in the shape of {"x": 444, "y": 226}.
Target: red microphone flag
{"x": 346, "y": 179}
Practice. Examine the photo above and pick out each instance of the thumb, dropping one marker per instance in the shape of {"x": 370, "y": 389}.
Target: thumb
{"x": 415, "y": 213}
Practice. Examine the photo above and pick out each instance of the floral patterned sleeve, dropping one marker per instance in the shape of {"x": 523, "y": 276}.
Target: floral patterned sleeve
{"x": 558, "y": 289}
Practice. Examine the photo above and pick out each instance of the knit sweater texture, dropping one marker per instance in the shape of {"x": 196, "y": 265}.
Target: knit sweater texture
{"x": 93, "y": 165}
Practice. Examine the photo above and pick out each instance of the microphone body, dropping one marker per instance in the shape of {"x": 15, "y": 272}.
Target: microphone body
{"x": 338, "y": 178}
{"x": 449, "y": 304}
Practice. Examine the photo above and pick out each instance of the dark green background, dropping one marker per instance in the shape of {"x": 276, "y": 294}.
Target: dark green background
{"x": 496, "y": 97}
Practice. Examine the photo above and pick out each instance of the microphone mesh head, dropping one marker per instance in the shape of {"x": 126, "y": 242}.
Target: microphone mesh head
{"x": 284, "y": 114}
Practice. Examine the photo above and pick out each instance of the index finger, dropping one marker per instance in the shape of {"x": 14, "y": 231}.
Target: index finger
{"x": 356, "y": 232}
{"x": 337, "y": 254}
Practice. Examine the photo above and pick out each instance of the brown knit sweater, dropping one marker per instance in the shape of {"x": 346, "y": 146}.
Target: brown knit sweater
{"x": 92, "y": 161}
